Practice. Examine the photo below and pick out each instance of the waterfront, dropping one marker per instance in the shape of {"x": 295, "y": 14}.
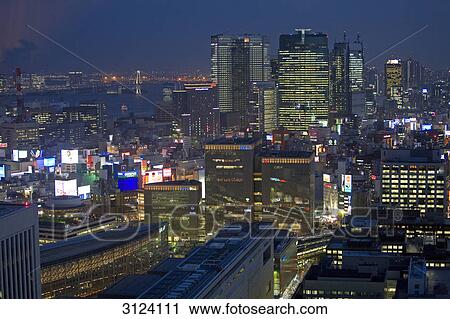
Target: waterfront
{"x": 139, "y": 105}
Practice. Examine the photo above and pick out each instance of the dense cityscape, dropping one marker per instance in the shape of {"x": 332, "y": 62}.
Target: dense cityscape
{"x": 305, "y": 174}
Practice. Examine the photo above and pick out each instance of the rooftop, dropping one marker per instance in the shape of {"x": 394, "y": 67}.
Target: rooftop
{"x": 411, "y": 156}
{"x": 7, "y": 209}
{"x": 235, "y": 141}
{"x": 91, "y": 244}
{"x": 188, "y": 277}
{"x": 290, "y": 154}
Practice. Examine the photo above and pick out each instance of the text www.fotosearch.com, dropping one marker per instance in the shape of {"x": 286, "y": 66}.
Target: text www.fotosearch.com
{"x": 239, "y": 309}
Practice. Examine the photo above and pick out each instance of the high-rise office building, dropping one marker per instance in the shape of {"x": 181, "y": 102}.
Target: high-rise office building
{"x": 373, "y": 80}
{"x": 263, "y": 103}
{"x": 198, "y": 108}
{"x": 370, "y": 102}
{"x": 413, "y": 77}
{"x": 303, "y": 80}
{"x": 414, "y": 180}
{"x": 357, "y": 67}
{"x": 394, "y": 81}
{"x": 236, "y": 62}
{"x": 19, "y": 252}
{"x": 340, "y": 97}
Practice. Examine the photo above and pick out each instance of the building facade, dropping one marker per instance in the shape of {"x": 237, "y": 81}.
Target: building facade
{"x": 340, "y": 97}
{"x": 229, "y": 168}
{"x": 19, "y": 252}
{"x": 85, "y": 266}
{"x": 394, "y": 81}
{"x": 414, "y": 180}
{"x": 236, "y": 62}
{"x": 303, "y": 80}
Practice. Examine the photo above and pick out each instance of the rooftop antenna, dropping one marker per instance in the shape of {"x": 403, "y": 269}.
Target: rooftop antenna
{"x": 358, "y": 41}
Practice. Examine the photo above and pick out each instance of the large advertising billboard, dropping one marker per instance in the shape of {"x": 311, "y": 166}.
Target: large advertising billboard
{"x": 154, "y": 176}
{"x": 66, "y": 187}
{"x": 347, "y": 183}
{"x": 128, "y": 181}
{"x": 69, "y": 156}
{"x": 19, "y": 154}
{"x": 84, "y": 192}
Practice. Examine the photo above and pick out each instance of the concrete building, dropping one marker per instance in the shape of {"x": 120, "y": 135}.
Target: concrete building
{"x": 230, "y": 164}
{"x": 19, "y": 252}
{"x": 414, "y": 179}
{"x": 236, "y": 264}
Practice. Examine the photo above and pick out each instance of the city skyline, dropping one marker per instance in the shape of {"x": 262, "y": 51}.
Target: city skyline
{"x": 145, "y": 41}
{"x": 224, "y": 150}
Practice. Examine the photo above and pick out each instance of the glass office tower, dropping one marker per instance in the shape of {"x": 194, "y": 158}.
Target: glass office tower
{"x": 394, "y": 81}
{"x": 303, "y": 80}
{"x": 236, "y": 62}
{"x": 341, "y": 99}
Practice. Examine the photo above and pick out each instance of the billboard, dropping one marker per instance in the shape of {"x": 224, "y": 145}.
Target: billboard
{"x": 2, "y": 172}
{"x": 347, "y": 183}
{"x": 129, "y": 174}
{"x": 19, "y": 154}
{"x": 49, "y": 162}
{"x": 167, "y": 173}
{"x": 128, "y": 184}
{"x": 155, "y": 176}
{"x": 66, "y": 187}
{"x": 84, "y": 192}
{"x": 128, "y": 181}
{"x": 69, "y": 156}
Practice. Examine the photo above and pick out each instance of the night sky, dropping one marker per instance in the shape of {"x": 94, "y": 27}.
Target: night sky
{"x": 174, "y": 35}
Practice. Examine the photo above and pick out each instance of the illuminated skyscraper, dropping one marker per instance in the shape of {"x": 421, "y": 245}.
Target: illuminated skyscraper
{"x": 198, "y": 108}
{"x": 370, "y": 102}
{"x": 341, "y": 99}
{"x": 303, "y": 80}
{"x": 264, "y": 105}
{"x": 412, "y": 72}
{"x": 394, "y": 81}
{"x": 357, "y": 68}
{"x": 236, "y": 62}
